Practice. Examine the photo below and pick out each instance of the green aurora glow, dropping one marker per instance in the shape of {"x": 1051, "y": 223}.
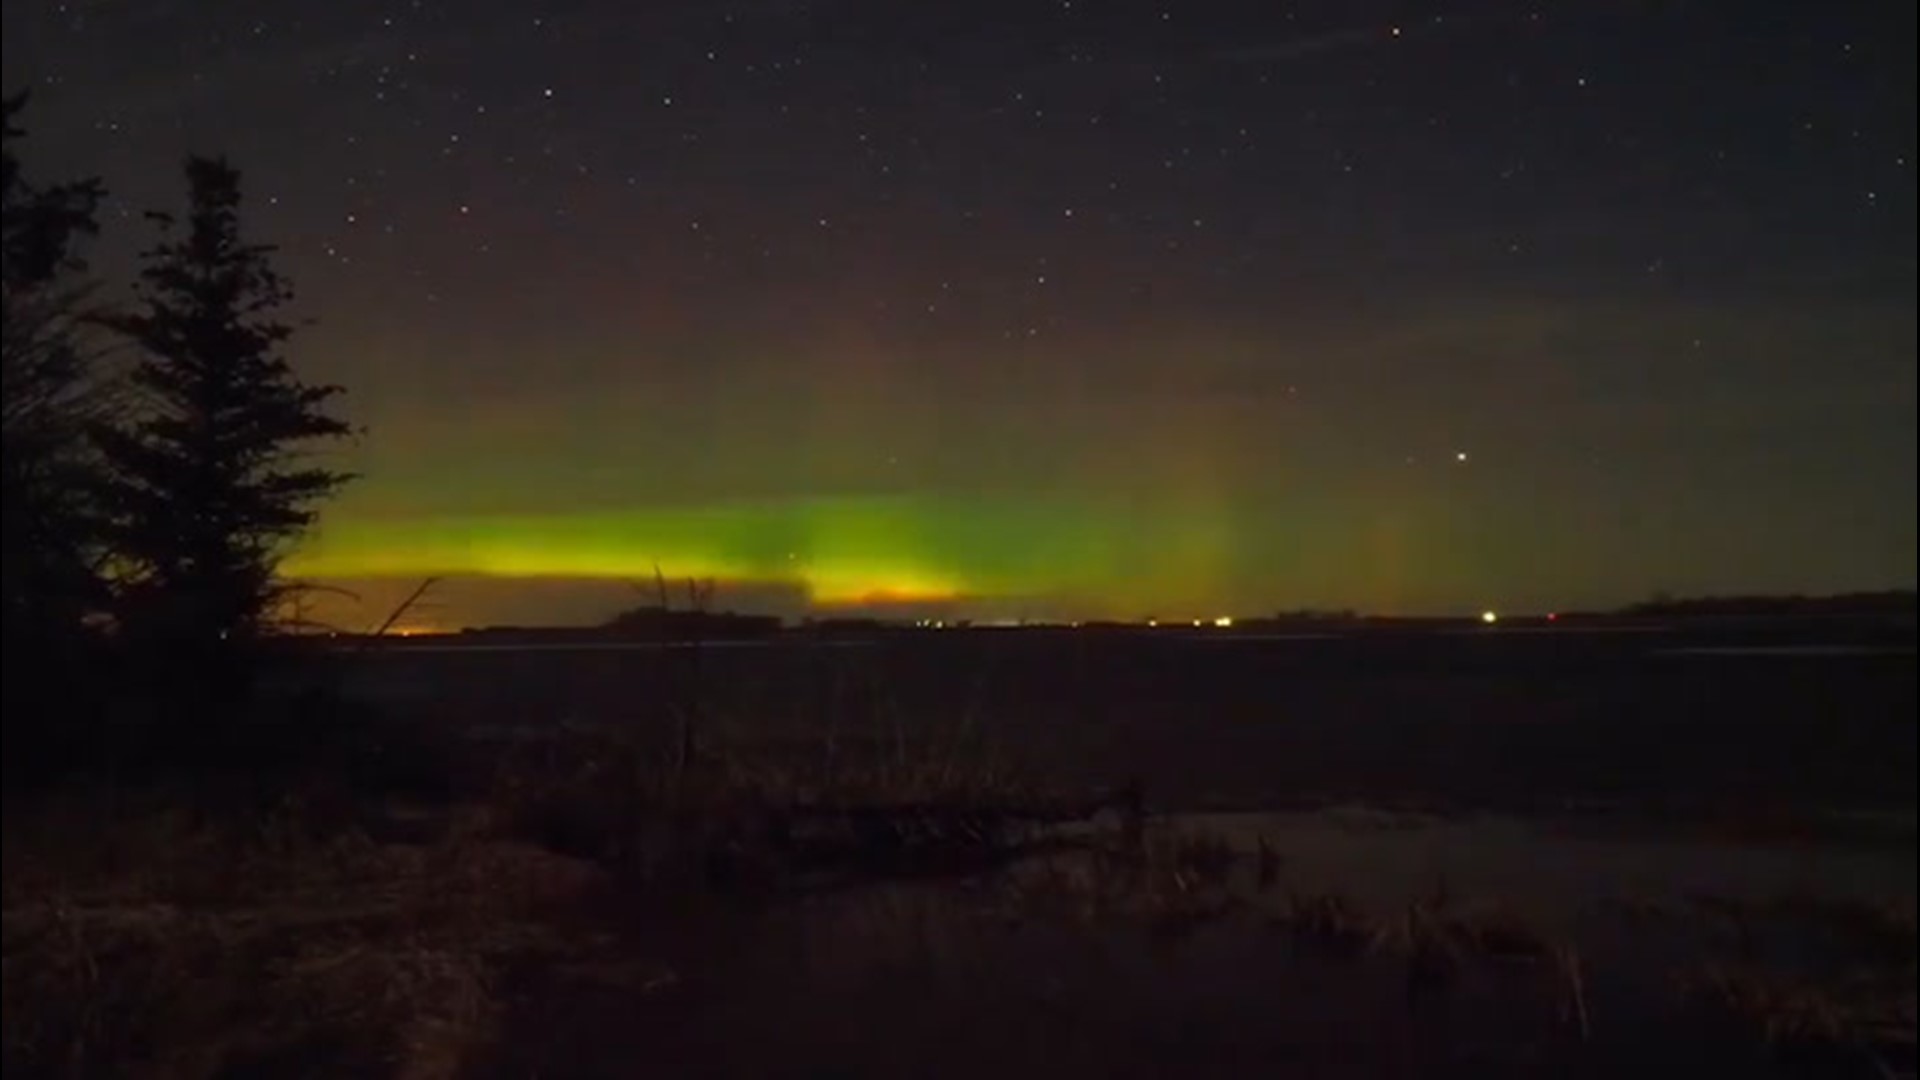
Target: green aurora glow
{"x": 895, "y": 477}
{"x": 841, "y": 550}
{"x": 867, "y": 334}
{"x": 847, "y": 477}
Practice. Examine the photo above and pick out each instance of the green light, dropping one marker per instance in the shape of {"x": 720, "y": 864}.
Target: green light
{"x": 842, "y": 550}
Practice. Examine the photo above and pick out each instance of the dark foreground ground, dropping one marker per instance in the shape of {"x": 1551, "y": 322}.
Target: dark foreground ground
{"x": 1706, "y": 718}
{"x": 1653, "y": 852}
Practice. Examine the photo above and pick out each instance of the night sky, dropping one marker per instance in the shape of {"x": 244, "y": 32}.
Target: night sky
{"x": 1058, "y": 309}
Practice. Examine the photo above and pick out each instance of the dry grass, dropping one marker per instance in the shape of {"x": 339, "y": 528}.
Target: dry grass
{"x": 1169, "y": 881}
{"x": 739, "y": 815}
{"x": 150, "y": 937}
{"x": 1866, "y": 1012}
{"x": 145, "y": 939}
{"x": 1500, "y": 934}
{"x": 1439, "y": 942}
{"x": 141, "y": 942}
{"x": 1783, "y": 1010}
{"x": 1334, "y": 922}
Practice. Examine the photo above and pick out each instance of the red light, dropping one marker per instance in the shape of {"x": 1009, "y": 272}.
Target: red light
{"x": 1553, "y": 616}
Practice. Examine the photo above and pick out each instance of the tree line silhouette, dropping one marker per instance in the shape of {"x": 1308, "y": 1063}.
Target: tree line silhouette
{"x": 157, "y": 463}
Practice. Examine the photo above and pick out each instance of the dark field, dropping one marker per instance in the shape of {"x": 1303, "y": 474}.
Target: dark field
{"x": 1453, "y": 852}
{"x": 1716, "y": 720}
{"x": 1684, "y": 830}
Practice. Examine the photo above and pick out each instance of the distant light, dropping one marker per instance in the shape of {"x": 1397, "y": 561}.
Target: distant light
{"x": 1395, "y": 31}
{"x": 1460, "y": 456}
{"x": 1196, "y": 622}
{"x": 1489, "y": 617}
{"x": 1553, "y": 616}
{"x": 1223, "y": 622}
{"x": 1153, "y": 622}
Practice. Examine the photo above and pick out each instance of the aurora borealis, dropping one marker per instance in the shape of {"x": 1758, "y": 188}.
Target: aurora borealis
{"x": 1059, "y": 310}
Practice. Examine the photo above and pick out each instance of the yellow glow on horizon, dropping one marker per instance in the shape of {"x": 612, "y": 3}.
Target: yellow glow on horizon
{"x": 856, "y": 582}
{"x": 839, "y": 582}
{"x": 844, "y": 552}
{"x": 880, "y": 597}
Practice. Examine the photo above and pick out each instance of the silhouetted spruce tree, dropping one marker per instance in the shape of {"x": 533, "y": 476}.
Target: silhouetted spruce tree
{"x": 48, "y": 467}
{"x": 212, "y": 481}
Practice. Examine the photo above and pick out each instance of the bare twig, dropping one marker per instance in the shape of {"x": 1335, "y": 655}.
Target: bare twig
{"x": 1574, "y": 976}
{"x": 406, "y": 605}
